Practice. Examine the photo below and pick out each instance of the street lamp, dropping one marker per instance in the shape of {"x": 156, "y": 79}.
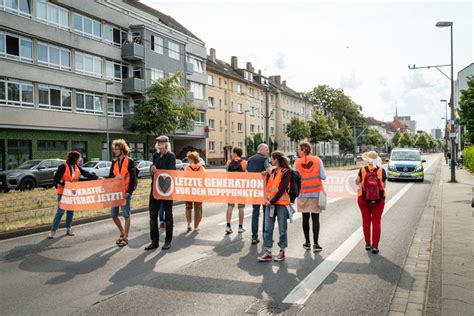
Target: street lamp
{"x": 445, "y": 126}
{"x": 107, "y": 83}
{"x": 245, "y": 133}
{"x": 451, "y": 102}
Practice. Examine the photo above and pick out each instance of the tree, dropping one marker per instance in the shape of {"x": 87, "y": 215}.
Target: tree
{"x": 374, "y": 137}
{"x": 162, "y": 113}
{"x": 422, "y": 142}
{"x": 344, "y": 136}
{"x": 466, "y": 109}
{"x": 406, "y": 140}
{"x": 297, "y": 129}
{"x": 252, "y": 143}
{"x": 396, "y": 139}
{"x": 320, "y": 131}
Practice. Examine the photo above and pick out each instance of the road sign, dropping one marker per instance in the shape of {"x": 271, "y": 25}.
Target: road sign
{"x": 452, "y": 135}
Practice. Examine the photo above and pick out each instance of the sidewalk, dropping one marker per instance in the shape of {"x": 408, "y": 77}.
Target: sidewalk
{"x": 451, "y": 280}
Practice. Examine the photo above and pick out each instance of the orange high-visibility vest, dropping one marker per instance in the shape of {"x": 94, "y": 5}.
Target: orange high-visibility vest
{"x": 273, "y": 184}
{"x": 194, "y": 167}
{"x": 123, "y": 172}
{"x": 67, "y": 177}
{"x": 364, "y": 173}
{"x": 310, "y": 177}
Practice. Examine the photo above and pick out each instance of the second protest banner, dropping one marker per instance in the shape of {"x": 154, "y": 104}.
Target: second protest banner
{"x": 218, "y": 187}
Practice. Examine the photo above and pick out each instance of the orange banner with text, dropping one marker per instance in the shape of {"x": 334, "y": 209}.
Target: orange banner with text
{"x": 217, "y": 187}
{"x": 90, "y": 195}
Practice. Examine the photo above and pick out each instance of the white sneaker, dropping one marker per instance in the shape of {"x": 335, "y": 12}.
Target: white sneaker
{"x": 228, "y": 230}
{"x": 241, "y": 230}
{"x": 69, "y": 232}
{"x": 51, "y": 234}
{"x": 189, "y": 227}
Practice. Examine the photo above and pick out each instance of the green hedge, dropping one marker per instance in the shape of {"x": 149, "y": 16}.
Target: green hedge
{"x": 468, "y": 155}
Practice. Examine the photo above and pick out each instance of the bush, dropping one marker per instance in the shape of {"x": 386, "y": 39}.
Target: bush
{"x": 468, "y": 155}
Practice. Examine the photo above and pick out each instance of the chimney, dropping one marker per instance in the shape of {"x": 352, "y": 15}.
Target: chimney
{"x": 249, "y": 67}
{"x": 212, "y": 54}
{"x": 283, "y": 83}
{"x": 234, "y": 63}
{"x": 276, "y": 79}
{"x": 259, "y": 72}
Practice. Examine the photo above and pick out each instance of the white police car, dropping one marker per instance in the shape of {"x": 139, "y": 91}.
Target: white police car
{"x": 406, "y": 163}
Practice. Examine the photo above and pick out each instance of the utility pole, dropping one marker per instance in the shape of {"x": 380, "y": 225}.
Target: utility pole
{"x": 267, "y": 118}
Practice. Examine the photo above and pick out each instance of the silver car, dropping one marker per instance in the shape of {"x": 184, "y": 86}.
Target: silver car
{"x": 144, "y": 167}
{"x": 99, "y": 168}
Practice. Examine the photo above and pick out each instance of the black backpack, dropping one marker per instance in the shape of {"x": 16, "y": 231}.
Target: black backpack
{"x": 295, "y": 185}
{"x": 235, "y": 166}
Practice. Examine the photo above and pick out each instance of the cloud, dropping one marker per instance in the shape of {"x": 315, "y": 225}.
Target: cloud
{"x": 350, "y": 81}
{"x": 280, "y": 63}
{"x": 416, "y": 80}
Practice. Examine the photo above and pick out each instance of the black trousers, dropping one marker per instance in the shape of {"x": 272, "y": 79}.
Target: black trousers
{"x": 315, "y": 220}
{"x": 154, "y": 206}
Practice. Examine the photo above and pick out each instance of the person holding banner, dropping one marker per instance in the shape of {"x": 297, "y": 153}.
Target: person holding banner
{"x": 236, "y": 164}
{"x": 258, "y": 163}
{"x": 123, "y": 167}
{"x": 371, "y": 183}
{"x": 312, "y": 173}
{"x": 277, "y": 187}
{"x": 195, "y": 166}
{"x": 68, "y": 172}
{"x": 164, "y": 159}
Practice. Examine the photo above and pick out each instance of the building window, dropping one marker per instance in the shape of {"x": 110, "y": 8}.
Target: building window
{"x": 248, "y": 75}
{"x": 53, "y": 56}
{"x": 198, "y": 65}
{"x": 252, "y": 128}
{"x": 240, "y": 144}
{"x": 88, "y": 64}
{"x": 117, "y": 106}
{"x": 157, "y": 44}
{"x": 272, "y": 130}
{"x": 18, "y": 152}
{"x": 114, "y": 35}
{"x": 116, "y": 71}
{"x": 173, "y": 50}
{"x": 210, "y": 80}
{"x": 239, "y": 127}
{"x": 52, "y": 14}
{"x": 16, "y": 92}
{"x": 239, "y": 88}
{"x": 54, "y": 98}
{"x": 197, "y": 89}
{"x": 87, "y": 26}
{"x": 201, "y": 119}
{"x": 54, "y": 145}
{"x": 157, "y": 74}
{"x": 212, "y": 146}
{"x": 239, "y": 108}
{"x": 252, "y": 111}
{"x": 251, "y": 92}
{"x": 210, "y": 102}
{"x": 15, "y": 47}
{"x": 137, "y": 150}
{"x": 21, "y": 7}
{"x": 89, "y": 102}
{"x": 211, "y": 124}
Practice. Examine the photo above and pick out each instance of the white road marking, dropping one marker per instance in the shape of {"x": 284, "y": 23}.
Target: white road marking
{"x": 305, "y": 288}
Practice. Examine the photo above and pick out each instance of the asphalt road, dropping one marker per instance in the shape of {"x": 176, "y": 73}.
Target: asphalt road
{"x": 210, "y": 272}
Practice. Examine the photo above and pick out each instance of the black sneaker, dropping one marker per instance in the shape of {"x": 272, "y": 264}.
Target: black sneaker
{"x": 152, "y": 246}
{"x": 368, "y": 247}
{"x": 307, "y": 246}
{"x": 166, "y": 246}
{"x": 375, "y": 250}
{"x": 317, "y": 248}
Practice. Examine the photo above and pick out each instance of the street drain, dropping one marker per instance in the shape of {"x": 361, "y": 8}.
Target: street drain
{"x": 268, "y": 311}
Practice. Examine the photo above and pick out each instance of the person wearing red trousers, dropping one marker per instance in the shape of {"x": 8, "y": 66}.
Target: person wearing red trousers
{"x": 371, "y": 210}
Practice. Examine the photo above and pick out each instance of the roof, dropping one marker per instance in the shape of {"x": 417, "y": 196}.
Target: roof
{"x": 223, "y": 68}
{"x": 285, "y": 89}
{"x": 163, "y": 18}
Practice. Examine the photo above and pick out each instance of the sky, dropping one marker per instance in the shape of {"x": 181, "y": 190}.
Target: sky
{"x": 364, "y": 47}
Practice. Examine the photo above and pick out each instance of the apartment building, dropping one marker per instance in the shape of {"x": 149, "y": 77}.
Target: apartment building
{"x": 70, "y": 70}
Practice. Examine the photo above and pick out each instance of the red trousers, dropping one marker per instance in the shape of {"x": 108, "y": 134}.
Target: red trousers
{"x": 371, "y": 214}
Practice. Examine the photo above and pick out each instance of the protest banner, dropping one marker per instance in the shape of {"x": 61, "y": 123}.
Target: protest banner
{"x": 90, "y": 195}
{"x": 341, "y": 184}
{"x": 217, "y": 187}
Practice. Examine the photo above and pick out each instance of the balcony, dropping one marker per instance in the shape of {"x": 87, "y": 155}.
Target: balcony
{"x": 133, "y": 52}
{"x": 189, "y": 69}
{"x": 189, "y": 97}
{"x": 133, "y": 86}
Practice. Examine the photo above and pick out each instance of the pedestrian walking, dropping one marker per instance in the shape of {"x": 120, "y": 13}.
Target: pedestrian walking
{"x": 123, "y": 167}
{"x": 236, "y": 164}
{"x": 371, "y": 183}
{"x": 258, "y": 163}
{"x": 164, "y": 159}
{"x": 68, "y": 172}
{"x": 195, "y": 166}
{"x": 312, "y": 173}
{"x": 277, "y": 187}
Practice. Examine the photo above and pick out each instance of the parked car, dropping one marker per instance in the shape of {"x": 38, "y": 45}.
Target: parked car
{"x": 405, "y": 163}
{"x": 144, "y": 167}
{"x": 185, "y": 162}
{"x": 99, "y": 168}
{"x": 29, "y": 175}
{"x": 179, "y": 164}
{"x": 292, "y": 159}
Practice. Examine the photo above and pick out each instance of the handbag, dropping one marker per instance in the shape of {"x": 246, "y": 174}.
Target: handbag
{"x": 323, "y": 200}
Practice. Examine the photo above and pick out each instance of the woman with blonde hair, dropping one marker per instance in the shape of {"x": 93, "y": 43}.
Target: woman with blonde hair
{"x": 195, "y": 166}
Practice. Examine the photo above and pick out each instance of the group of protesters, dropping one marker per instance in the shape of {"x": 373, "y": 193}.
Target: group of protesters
{"x": 281, "y": 180}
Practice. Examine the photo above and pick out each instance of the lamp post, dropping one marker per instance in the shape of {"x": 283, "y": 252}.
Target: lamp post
{"x": 451, "y": 102}
{"x": 245, "y": 133}
{"x": 445, "y": 126}
{"x": 107, "y": 84}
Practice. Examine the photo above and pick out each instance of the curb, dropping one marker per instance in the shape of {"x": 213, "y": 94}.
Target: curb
{"x": 44, "y": 228}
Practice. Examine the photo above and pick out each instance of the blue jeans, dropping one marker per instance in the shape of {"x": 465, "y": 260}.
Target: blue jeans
{"x": 255, "y": 216}
{"x": 282, "y": 213}
{"x": 126, "y": 209}
{"x": 59, "y": 215}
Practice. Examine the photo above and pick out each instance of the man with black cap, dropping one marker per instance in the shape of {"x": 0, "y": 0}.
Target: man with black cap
{"x": 162, "y": 159}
